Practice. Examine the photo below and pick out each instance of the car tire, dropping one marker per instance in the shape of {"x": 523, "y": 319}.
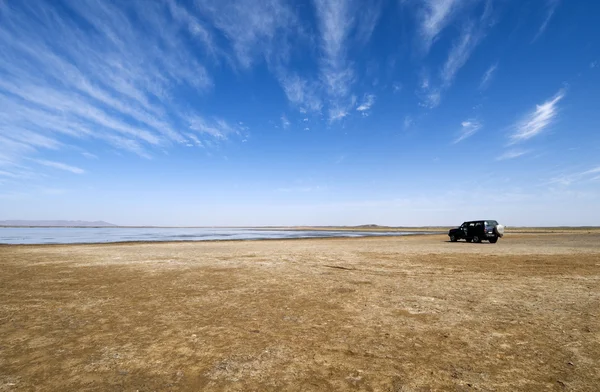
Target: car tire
{"x": 493, "y": 240}
{"x": 476, "y": 239}
{"x": 452, "y": 238}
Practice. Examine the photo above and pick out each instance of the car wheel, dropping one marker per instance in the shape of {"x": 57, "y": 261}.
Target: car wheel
{"x": 452, "y": 238}
{"x": 476, "y": 239}
{"x": 493, "y": 240}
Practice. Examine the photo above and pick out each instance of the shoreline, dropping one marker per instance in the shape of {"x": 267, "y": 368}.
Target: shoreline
{"x": 390, "y": 234}
{"x": 170, "y": 241}
{"x": 266, "y": 228}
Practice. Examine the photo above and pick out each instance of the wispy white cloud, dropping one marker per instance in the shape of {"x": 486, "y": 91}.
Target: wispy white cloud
{"x": 254, "y": 30}
{"x": 89, "y": 155}
{"x": 472, "y": 33}
{"x": 408, "y": 122}
{"x": 104, "y": 71}
{"x": 195, "y": 139}
{"x": 17, "y": 173}
{"x": 285, "y": 123}
{"x": 367, "y": 20}
{"x": 8, "y": 174}
{"x": 301, "y": 93}
{"x": 582, "y": 176}
{"x": 550, "y": 8}
{"x": 335, "y": 23}
{"x": 218, "y": 128}
{"x": 538, "y": 120}
{"x": 459, "y": 54}
{"x": 11, "y": 150}
{"x": 432, "y": 99}
{"x": 468, "y": 129}
{"x": 342, "y": 23}
{"x": 60, "y": 166}
{"x": 512, "y": 154}
{"x": 195, "y": 27}
{"x": 488, "y": 76}
{"x": 337, "y": 113}
{"x": 434, "y": 16}
{"x": 271, "y": 32}
{"x": 368, "y": 102}
{"x": 429, "y": 96}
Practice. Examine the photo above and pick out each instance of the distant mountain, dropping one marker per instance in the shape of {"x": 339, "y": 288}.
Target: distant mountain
{"x": 54, "y": 223}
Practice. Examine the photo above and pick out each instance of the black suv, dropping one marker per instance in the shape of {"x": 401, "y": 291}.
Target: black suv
{"x": 477, "y": 231}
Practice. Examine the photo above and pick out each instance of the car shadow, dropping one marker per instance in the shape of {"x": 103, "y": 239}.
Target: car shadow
{"x": 465, "y": 242}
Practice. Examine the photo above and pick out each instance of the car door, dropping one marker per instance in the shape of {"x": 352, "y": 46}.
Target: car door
{"x": 479, "y": 229}
{"x": 465, "y": 229}
{"x": 470, "y": 229}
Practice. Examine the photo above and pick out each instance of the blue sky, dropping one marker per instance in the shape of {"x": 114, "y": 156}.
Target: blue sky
{"x": 341, "y": 112}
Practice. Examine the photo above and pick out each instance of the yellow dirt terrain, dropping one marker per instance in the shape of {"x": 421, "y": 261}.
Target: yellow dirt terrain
{"x": 366, "y": 314}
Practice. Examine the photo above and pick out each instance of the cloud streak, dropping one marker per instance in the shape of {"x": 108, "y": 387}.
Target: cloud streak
{"x": 551, "y": 6}
{"x": 301, "y": 93}
{"x": 285, "y": 123}
{"x": 487, "y": 77}
{"x": 217, "y": 128}
{"x": 470, "y": 37}
{"x": 60, "y": 166}
{"x": 512, "y": 154}
{"x": 538, "y": 120}
{"x": 254, "y": 30}
{"x": 113, "y": 81}
{"x": 434, "y": 16}
{"x": 368, "y": 102}
{"x": 586, "y": 175}
{"x": 342, "y": 22}
{"x": 472, "y": 33}
{"x": 335, "y": 24}
{"x": 468, "y": 129}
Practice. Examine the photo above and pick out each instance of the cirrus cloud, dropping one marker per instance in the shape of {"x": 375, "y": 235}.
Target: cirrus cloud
{"x": 538, "y": 120}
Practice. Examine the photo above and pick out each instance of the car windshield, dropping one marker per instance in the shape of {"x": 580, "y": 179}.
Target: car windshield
{"x": 491, "y": 223}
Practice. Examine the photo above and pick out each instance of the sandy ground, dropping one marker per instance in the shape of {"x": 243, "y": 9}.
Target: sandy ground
{"x": 368, "y": 314}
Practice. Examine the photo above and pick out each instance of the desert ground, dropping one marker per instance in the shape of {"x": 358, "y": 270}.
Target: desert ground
{"x": 367, "y": 314}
